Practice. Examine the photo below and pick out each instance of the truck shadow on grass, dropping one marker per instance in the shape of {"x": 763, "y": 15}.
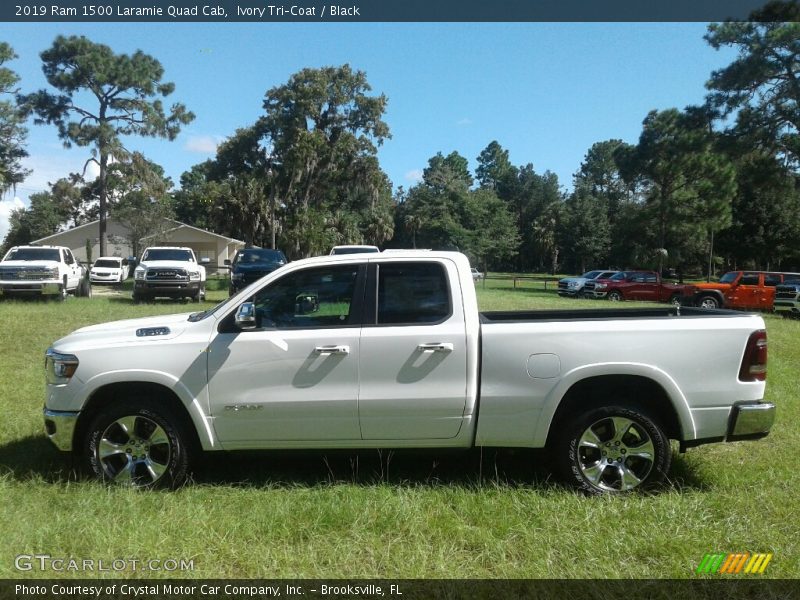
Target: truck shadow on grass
{"x": 34, "y": 458}
{"x": 475, "y": 468}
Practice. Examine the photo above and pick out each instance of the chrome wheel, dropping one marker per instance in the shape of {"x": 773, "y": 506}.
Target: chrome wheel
{"x": 615, "y": 454}
{"x": 134, "y": 450}
{"x": 614, "y": 296}
{"x": 709, "y": 302}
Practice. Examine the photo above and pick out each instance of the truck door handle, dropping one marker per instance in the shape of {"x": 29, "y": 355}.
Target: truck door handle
{"x": 328, "y": 350}
{"x": 436, "y": 347}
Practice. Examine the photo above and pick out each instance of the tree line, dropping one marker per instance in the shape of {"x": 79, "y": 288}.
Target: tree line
{"x": 704, "y": 188}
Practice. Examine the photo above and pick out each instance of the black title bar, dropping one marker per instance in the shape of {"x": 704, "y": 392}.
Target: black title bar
{"x": 305, "y": 11}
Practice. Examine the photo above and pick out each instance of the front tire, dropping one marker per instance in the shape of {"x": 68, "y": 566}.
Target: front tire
{"x": 139, "y": 444}
{"x": 615, "y": 296}
{"x": 708, "y": 302}
{"x": 612, "y": 450}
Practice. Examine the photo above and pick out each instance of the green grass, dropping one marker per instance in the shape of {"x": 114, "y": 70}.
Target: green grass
{"x": 389, "y": 514}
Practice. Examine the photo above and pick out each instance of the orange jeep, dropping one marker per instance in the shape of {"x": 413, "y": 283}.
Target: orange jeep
{"x": 741, "y": 289}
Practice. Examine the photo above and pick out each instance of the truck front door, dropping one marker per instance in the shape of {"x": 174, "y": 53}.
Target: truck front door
{"x": 413, "y": 361}
{"x": 747, "y": 292}
{"x": 295, "y": 376}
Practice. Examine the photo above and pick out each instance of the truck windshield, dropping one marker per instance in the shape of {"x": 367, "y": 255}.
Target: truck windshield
{"x": 168, "y": 254}
{"x": 33, "y": 254}
{"x": 107, "y": 263}
{"x": 729, "y": 277}
{"x": 591, "y": 274}
{"x": 259, "y": 256}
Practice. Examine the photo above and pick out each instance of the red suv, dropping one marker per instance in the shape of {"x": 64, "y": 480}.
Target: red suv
{"x": 741, "y": 289}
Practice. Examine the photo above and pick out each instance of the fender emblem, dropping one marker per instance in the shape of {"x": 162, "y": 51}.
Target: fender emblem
{"x": 238, "y": 407}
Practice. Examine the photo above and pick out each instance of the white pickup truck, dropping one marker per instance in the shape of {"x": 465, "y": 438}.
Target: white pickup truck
{"x": 390, "y": 351}
{"x": 170, "y": 272}
{"x": 42, "y": 271}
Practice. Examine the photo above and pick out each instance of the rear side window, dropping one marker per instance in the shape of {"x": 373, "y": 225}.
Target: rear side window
{"x": 412, "y": 294}
{"x": 771, "y": 279}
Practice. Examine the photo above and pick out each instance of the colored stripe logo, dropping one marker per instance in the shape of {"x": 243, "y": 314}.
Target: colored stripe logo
{"x": 734, "y": 563}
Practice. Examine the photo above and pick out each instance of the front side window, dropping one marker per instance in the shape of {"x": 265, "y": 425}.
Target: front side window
{"x": 412, "y": 294}
{"x": 749, "y": 279}
{"x": 312, "y": 298}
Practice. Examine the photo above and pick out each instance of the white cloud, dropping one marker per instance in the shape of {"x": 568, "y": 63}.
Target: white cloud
{"x": 414, "y": 176}
{"x": 465, "y": 122}
{"x": 203, "y": 144}
{"x": 6, "y": 206}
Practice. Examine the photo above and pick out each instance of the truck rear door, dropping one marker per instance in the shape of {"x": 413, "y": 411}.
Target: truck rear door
{"x": 413, "y": 359}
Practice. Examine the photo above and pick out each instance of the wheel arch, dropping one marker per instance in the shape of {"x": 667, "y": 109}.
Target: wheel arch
{"x": 640, "y": 387}
{"x": 716, "y": 294}
{"x": 105, "y": 395}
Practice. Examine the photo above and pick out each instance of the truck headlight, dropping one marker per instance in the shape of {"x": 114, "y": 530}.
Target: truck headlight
{"x": 194, "y": 275}
{"x": 600, "y": 286}
{"x": 59, "y": 368}
{"x": 237, "y": 276}
{"x": 51, "y": 273}
{"x": 573, "y": 284}
{"x": 138, "y": 274}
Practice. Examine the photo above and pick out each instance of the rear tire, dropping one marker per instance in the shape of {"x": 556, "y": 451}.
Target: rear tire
{"x": 613, "y": 450}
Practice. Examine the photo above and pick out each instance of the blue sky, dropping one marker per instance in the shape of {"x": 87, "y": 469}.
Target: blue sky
{"x": 545, "y": 91}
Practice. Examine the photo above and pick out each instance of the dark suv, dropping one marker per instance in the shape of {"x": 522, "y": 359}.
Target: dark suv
{"x": 251, "y": 264}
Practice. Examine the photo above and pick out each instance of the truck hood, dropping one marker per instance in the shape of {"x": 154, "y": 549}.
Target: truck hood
{"x": 123, "y": 332}
{"x": 712, "y": 286}
{"x": 169, "y": 264}
{"x": 37, "y": 264}
{"x": 569, "y": 280}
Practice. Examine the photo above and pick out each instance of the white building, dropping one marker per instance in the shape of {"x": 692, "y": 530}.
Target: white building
{"x": 217, "y": 248}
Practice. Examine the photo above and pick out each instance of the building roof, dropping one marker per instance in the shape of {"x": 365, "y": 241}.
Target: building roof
{"x": 177, "y": 225}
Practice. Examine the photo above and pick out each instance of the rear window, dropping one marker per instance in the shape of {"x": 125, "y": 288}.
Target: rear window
{"x": 412, "y": 294}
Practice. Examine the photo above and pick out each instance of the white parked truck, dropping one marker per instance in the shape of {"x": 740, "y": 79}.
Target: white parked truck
{"x": 42, "y": 271}
{"x": 391, "y": 351}
{"x": 170, "y": 272}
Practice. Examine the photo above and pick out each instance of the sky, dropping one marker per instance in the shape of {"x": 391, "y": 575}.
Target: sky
{"x": 545, "y": 91}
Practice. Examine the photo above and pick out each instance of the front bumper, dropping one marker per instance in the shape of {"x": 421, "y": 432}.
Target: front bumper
{"x": 22, "y": 288}
{"x": 750, "y": 421}
{"x": 60, "y": 427}
{"x": 104, "y": 277}
{"x": 169, "y": 289}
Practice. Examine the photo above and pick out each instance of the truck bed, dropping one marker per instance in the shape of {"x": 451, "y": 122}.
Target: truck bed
{"x": 593, "y": 314}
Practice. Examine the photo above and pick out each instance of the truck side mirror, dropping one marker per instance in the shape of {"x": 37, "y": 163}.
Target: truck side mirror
{"x": 227, "y": 262}
{"x": 246, "y": 316}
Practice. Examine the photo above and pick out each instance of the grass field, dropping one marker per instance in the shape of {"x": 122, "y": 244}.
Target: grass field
{"x": 492, "y": 514}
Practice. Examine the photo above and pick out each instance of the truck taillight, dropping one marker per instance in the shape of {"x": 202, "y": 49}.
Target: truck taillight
{"x": 754, "y": 361}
